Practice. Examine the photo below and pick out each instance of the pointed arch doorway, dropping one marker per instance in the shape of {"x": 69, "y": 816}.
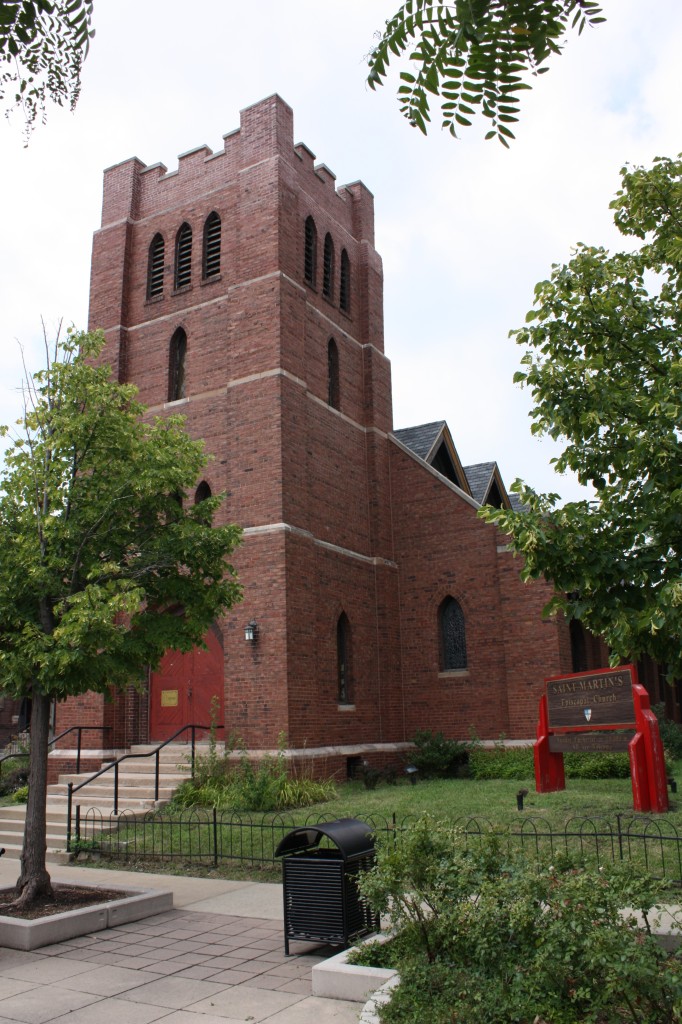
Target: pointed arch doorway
{"x": 182, "y": 689}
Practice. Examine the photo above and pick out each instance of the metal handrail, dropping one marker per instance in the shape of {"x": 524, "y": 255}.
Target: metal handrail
{"x": 73, "y": 728}
{"x": 79, "y": 729}
{"x": 124, "y": 757}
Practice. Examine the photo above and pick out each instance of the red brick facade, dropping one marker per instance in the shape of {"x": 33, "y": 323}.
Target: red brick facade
{"x": 340, "y": 517}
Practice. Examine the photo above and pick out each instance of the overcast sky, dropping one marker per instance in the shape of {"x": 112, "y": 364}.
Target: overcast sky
{"x": 465, "y": 228}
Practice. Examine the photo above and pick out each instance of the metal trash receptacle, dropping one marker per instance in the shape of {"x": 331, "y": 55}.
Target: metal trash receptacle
{"x": 321, "y": 899}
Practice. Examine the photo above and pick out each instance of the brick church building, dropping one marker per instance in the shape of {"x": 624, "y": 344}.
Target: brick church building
{"x": 243, "y": 290}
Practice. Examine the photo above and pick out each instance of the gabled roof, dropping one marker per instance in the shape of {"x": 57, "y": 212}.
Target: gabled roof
{"x": 516, "y": 503}
{"x": 421, "y": 439}
{"x": 480, "y": 478}
{"x": 433, "y": 443}
{"x": 488, "y": 487}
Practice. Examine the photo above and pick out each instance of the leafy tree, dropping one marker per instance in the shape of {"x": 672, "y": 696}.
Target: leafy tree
{"x": 475, "y": 55}
{"x": 603, "y": 362}
{"x": 102, "y": 567}
{"x": 43, "y": 44}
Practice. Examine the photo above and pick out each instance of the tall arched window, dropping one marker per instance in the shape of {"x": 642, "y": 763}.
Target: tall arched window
{"x": 333, "y": 394}
{"x": 344, "y": 283}
{"x": 183, "y": 256}
{"x": 310, "y": 258}
{"x": 453, "y": 648}
{"x": 211, "y": 260}
{"x": 176, "y": 366}
{"x": 328, "y": 268}
{"x": 155, "y": 267}
{"x": 202, "y": 492}
{"x": 343, "y": 659}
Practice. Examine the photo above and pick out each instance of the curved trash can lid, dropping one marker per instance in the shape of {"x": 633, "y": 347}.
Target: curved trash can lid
{"x": 352, "y": 837}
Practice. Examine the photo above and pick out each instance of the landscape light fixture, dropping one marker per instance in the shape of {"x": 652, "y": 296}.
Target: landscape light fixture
{"x": 251, "y": 632}
{"x": 412, "y": 772}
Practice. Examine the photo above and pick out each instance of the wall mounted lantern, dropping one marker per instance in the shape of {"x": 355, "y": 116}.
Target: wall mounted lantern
{"x": 251, "y": 632}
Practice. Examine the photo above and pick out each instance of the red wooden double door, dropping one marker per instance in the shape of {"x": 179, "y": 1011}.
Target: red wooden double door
{"x": 182, "y": 690}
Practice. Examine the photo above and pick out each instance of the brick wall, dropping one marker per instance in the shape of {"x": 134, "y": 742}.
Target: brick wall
{"x": 338, "y": 518}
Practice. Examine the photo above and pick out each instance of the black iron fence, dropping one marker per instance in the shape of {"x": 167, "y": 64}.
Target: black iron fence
{"x": 215, "y": 837}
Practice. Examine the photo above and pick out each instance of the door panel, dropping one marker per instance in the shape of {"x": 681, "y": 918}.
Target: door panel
{"x": 183, "y": 687}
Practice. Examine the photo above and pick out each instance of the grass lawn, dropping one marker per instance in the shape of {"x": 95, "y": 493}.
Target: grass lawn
{"x": 494, "y": 800}
{"x": 185, "y": 840}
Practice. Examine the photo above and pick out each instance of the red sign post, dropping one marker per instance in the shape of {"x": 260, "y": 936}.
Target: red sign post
{"x": 598, "y": 710}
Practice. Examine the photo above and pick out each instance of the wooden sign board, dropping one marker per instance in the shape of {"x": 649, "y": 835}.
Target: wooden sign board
{"x": 590, "y": 742}
{"x": 591, "y": 700}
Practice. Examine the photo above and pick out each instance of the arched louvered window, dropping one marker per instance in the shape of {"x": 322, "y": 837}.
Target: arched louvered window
{"x": 343, "y": 653}
{"x": 310, "y": 260}
{"x": 453, "y": 648}
{"x": 176, "y": 366}
{"x": 344, "y": 283}
{"x": 203, "y": 492}
{"x": 183, "y": 256}
{"x": 211, "y": 261}
{"x": 328, "y": 268}
{"x": 333, "y": 394}
{"x": 155, "y": 267}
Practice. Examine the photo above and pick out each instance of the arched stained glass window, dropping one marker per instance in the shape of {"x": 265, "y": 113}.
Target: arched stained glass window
{"x": 176, "y": 366}
{"x": 328, "y": 268}
{"x": 155, "y": 267}
{"x": 333, "y": 392}
{"x": 344, "y": 283}
{"x": 343, "y": 659}
{"x": 211, "y": 261}
{"x": 310, "y": 259}
{"x": 183, "y": 256}
{"x": 453, "y": 648}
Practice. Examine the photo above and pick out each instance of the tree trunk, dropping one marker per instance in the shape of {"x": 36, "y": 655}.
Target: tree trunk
{"x": 34, "y": 881}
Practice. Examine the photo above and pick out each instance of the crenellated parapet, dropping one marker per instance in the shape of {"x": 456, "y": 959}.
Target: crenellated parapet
{"x": 137, "y": 191}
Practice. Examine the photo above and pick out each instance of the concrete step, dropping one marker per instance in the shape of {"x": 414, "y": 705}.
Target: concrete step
{"x": 106, "y": 808}
{"x": 18, "y": 813}
{"x": 52, "y": 856}
{"x": 104, "y": 793}
{"x": 96, "y": 800}
{"x": 166, "y": 778}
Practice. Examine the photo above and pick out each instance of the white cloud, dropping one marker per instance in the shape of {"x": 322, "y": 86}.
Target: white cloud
{"x": 465, "y": 228}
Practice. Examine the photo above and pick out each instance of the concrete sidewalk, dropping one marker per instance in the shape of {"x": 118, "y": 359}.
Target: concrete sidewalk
{"x": 217, "y": 958}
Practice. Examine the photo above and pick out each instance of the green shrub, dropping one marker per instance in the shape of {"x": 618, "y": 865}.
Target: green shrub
{"x": 266, "y": 785}
{"x": 502, "y": 762}
{"x": 438, "y": 758}
{"x": 13, "y": 773}
{"x": 486, "y": 939}
{"x": 671, "y": 732}
{"x": 597, "y": 766}
{"x": 20, "y": 795}
{"x": 380, "y": 954}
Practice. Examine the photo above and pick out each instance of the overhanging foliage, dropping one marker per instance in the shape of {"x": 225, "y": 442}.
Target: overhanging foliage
{"x": 603, "y": 362}
{"x": 474, "y": 55}
{"x": 42, "y": 48}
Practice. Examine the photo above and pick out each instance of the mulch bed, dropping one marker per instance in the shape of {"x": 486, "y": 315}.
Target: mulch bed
{"x": 66, "y": 897}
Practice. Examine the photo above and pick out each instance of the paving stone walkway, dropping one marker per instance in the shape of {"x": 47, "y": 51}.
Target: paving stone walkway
{"x": 186, "y": 966}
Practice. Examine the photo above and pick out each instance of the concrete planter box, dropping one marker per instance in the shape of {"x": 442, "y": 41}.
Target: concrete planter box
{"x": 335, "y": 978}
{"x": 133, "y": 905}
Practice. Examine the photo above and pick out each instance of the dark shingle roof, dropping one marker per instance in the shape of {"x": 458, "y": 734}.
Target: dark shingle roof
{"x": 516, "y": 503}
{"x": 420, "y": 439}
{"x": 480, "y": 477}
